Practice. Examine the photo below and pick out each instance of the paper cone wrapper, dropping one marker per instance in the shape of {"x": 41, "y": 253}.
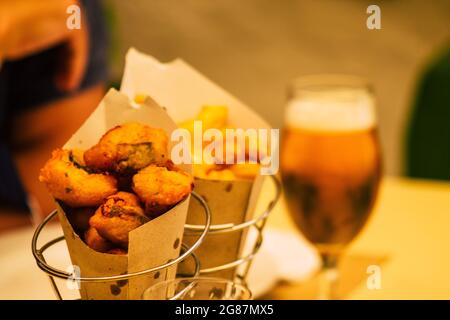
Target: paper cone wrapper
{"x": 150, "y": 245}
{"x": 183, "y": 91}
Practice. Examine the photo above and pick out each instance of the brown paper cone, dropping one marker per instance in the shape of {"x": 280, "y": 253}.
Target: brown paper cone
{"x": 150, "y": 245}
{"x": 230, "y": 202}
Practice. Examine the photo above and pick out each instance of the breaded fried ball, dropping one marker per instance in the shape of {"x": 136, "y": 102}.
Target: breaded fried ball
{"x": 128, "y": 148}
{"x": 66, "y": 179}
{"x": 120, "y": 214}
{"x": 95, "y": 241}
{"x": 160, "y": 188}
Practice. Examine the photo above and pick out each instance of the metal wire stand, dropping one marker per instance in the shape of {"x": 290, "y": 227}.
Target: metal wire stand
{"x": 258, "y": 223}
{"x": 202, "y": 231}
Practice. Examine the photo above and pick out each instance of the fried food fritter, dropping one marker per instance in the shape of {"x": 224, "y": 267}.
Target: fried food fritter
{"x": 120, "y": 214}
{"x": 68, "y": 180}
{"x": 128, "y": 148}
{"x": 161, "y": 188}
{"x": 95, "y": 241}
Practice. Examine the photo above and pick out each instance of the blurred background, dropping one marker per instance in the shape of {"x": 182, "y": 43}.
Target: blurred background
{"x": 52, "y": 78}
{"x": 251, "y": 48}
{"x": 254, "y": 48}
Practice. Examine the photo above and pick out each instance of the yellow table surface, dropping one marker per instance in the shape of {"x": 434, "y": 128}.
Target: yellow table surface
{"x": 407, "y": 236}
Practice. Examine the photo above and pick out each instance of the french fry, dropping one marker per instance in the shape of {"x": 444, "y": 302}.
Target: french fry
{"x": 140, "y": 98}
{"x": 216, "y": 117}
{"x": 202, "y": 170}
{"x": 225, "y": 174}
{"x": 213, "y": 117}
{"x": 245, "y": 170}
{"x": 188, "y": 125}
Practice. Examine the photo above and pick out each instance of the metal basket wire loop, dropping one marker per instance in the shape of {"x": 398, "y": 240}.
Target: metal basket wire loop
{"x": 51, "y": 271}
{"x": 202, "y": 231}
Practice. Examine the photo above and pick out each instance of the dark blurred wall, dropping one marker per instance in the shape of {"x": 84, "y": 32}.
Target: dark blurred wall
{"x": 254, "y": 47}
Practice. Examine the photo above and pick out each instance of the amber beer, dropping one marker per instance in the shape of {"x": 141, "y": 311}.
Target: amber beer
{"x": 330, "y": 164}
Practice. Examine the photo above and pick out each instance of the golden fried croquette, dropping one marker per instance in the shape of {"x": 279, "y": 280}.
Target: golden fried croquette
{"x": 95, "y": 241}
{"x": 128, "y": 148}
{"x": 161, "y": 188}
{"x": 120, "y": 214}
{"x": 68, "y": 180}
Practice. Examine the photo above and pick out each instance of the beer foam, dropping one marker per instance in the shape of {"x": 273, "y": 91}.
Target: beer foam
{"x": 332, "y": 110}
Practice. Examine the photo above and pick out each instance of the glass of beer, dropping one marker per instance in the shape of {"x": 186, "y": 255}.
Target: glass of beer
{"x": 330, "y": 164}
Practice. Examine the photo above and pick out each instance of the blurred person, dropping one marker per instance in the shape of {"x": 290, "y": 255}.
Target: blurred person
{"x": 51, "y": 79}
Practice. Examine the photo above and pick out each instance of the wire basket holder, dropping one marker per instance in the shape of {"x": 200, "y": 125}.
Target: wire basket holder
{"x": 187, "y": 252}
{"x": 258, "y": 223}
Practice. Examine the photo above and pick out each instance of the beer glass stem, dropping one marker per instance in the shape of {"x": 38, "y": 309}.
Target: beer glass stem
{"x": 328, "y": 277}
